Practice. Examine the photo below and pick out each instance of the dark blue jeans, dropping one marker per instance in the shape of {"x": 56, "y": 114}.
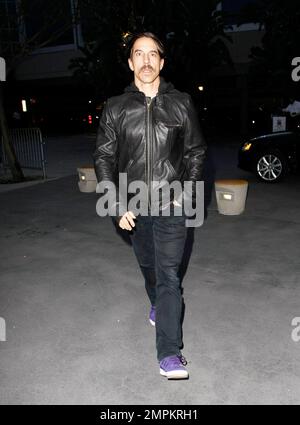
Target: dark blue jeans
{"x": 158, "y": 243}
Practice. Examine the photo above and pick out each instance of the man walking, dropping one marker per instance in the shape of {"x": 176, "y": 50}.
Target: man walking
{"x": 151, "y": 132}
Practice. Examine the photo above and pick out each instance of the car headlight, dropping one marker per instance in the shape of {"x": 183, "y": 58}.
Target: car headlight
{"x": 246, "y": 146}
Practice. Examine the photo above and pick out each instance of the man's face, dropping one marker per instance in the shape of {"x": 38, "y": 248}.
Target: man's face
{"x": 145, "y": 61}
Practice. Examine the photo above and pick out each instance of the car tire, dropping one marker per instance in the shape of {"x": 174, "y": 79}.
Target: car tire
{"x": 271, "y": 166}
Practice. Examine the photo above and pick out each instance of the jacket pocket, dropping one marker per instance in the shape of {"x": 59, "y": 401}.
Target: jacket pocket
{"x": 174, "y": 131}
{"x": 171, "y": 168}
{"x": 171, "y": 125}
{"x": 129, "y": 164}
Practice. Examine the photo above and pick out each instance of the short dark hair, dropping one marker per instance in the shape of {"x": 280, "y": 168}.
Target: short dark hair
{"x": 158, "y": 42}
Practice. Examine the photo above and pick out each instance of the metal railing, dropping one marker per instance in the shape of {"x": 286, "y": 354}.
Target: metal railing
{"x": 29, "y": 148}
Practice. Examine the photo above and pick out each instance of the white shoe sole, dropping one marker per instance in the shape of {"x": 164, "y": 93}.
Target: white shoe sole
{"x": 175, "y": 374}
{"x": 152, "y": 323}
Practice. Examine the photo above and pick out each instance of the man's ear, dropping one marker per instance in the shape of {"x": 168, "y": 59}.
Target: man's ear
{"x": 130, "y": 64}
{"x": 161, "y": 65}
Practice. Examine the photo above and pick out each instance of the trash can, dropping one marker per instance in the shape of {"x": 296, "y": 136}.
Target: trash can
{"x": 231, "y": 196}
{"x": 87, "y": 179}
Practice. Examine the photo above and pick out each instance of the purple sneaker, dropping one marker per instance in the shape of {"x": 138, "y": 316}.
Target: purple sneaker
{"x": 173, "y": 367}
{"x": 152, "y": 316}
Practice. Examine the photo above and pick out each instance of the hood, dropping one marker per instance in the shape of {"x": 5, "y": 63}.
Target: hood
{"x": 276, "y": 135}
{"x": 164, "y": 87}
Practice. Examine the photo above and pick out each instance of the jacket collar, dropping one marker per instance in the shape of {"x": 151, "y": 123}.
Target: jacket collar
{"x": 164, "y": 87}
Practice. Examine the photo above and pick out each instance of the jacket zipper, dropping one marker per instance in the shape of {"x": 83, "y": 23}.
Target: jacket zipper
{"x": 148, "y": 150}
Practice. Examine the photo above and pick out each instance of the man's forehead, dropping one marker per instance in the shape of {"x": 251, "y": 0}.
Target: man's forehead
{"x": 145, "y": 44}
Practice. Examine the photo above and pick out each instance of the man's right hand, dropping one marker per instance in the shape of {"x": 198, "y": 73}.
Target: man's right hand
{"x": 126, "y": 221}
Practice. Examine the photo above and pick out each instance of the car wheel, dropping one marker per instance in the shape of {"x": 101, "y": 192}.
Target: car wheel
{"x": 271, "y": 166}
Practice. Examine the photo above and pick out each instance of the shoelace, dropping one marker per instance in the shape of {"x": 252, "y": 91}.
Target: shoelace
{"x": 173, "y": 361}
{"x": 183, "y": 360}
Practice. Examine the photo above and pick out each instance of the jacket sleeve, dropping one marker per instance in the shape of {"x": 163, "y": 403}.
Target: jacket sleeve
{"x": 194, "y": 146}
{"x": 106, "y": 156}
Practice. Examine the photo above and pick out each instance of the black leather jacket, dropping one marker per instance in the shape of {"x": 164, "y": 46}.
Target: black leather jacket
{"x": 156, "y": 139}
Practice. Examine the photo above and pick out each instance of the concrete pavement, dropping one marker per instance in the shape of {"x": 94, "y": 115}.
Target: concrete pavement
{"x": 76, "y": 311}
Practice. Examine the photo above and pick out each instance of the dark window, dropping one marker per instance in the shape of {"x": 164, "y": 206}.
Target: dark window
{"x": 8, "y": 21}
{"x": 232, "y": 9}
{"x": 51, "y": 21}
{"x": 8, "y": 7}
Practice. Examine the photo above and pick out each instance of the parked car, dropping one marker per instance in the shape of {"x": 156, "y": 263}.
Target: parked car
{"x": 271, "y": 156}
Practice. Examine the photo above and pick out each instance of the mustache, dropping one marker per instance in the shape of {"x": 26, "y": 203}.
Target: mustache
{"x": 147, "y": 67}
